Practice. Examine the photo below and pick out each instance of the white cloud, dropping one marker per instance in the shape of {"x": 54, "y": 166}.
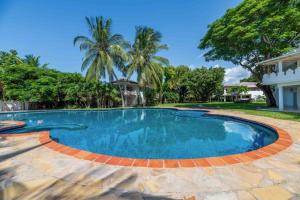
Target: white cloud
{"x": 235, "y": 74}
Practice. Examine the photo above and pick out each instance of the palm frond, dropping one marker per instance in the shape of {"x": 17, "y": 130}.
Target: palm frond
{"x": 143, "y": 59}
{"x": 103, "y": 51}
{"x": 87, "y": 61}
{"x": 91, "y": 24}
{"x": 161, "y": 59}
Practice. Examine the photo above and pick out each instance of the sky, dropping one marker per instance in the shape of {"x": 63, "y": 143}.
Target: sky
{"x": 47, "y": 28}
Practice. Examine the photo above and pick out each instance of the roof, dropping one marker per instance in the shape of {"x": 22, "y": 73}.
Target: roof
{"x": 290, "y": 56}
{"x": 124, "y": 81}
{"x": 247, "y": 84}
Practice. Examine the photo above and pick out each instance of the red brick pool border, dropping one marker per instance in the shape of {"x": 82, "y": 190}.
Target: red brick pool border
{"x": 284, "y": 141}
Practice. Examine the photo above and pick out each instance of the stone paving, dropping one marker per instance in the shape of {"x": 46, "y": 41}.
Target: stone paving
{"x": 7, "y": 125}
{"x": 29, "y": 170}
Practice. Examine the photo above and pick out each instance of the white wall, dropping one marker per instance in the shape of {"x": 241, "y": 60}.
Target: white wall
{"x": 282, "y": 78}
{"x": 288, "y": 98}
{"x": 255, "y": 94}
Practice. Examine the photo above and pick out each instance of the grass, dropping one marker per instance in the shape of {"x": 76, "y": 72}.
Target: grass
{"x": 248, "y": 108}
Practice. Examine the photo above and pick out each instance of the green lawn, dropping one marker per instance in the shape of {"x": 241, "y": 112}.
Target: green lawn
{"x": 248, "y": 108}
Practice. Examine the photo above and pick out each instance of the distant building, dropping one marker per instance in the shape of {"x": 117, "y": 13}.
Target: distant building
{"x": 132, "y": 93}
{"x": 253, "y": 91}
{"x": 283, "y": 74}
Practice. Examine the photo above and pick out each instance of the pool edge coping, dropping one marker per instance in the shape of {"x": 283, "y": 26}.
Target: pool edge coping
{"x": 283, "y": 141}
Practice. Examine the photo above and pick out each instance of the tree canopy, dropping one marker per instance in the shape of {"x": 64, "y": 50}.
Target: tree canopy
{"x": 183, "y": 84}
{"x": 144, "y": 59}
{"x": 253, "y": 31}
{"x": 50, "y": 88}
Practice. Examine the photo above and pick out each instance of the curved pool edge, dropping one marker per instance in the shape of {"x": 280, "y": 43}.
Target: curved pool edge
{"x": 283, "y": 142}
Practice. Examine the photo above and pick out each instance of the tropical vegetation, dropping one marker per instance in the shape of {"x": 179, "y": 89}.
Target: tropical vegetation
{"x": 105, "y": 52}
{"x": 183, "y": 84}
{"x": 251, "y": 32}
{"x": 48, "y": 88}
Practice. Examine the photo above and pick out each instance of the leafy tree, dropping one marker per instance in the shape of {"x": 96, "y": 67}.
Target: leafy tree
{"x": 48, "y": 88}
{"x": 143, "y": 58}
{"x": 238, "y": 90}
{"x": 205, "y": 82}
{"x": 255, "y": 30}
{"x": 103, "y": 51}
{"x": 182, "y": 76}
{"x": 176, "y": 83}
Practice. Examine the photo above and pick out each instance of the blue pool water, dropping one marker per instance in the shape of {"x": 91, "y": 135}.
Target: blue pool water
{"x": 148, "y": 133}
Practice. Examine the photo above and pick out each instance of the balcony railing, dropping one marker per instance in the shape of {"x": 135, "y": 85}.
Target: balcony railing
{"x": 290, "y": 75}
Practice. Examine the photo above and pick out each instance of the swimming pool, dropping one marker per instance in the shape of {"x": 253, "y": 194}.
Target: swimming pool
{"x": 148, "y": 133}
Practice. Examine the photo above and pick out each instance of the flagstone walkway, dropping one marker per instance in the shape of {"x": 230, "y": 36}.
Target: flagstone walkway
{"x": 30, "y": 170}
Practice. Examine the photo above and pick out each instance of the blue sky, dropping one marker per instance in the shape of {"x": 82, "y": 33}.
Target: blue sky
{"x": 47, "y": 28}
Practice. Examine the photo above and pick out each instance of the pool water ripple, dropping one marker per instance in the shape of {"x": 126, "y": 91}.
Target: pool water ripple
{"x": 149, "y": 133}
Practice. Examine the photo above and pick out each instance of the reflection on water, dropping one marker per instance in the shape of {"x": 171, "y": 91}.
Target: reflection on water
{"x": 150, "y": 133}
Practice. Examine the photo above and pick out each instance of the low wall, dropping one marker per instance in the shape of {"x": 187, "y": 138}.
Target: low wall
{"x": 13, "y": 105}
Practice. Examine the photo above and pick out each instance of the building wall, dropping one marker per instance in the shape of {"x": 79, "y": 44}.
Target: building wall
{"x": 288, "y": 97}
{"x": 276, "y": 95}
{"x": 255, "y": 94}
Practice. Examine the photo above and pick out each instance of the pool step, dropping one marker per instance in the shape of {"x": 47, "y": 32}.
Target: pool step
{"x": 47, "y": 128}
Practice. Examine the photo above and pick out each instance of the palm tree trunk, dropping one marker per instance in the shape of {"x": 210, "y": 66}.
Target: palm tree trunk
{"x": 122, "y": 96}
{"x": 120, "y": 89}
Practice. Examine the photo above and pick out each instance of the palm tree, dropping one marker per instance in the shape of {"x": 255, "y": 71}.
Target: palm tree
{"x": 103, "y": 50}
{"x": 33, "y": 61}
{"x": 143, "y": 58}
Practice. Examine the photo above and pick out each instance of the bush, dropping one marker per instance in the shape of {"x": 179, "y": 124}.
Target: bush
{"x": 170, "y": 97}
{"x": 152, "y": 97}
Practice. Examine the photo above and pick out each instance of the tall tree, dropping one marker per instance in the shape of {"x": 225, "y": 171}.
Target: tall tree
{"x": 176, "y": 82}
{"x": 204, "y": 82}
{"x": 143, "y": 57}
{"x": 255, "y": 30}
{"x": 103, "y": 50}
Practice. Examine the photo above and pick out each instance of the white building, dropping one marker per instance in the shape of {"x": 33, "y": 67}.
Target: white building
{"x": 133, "y": 96}
{"x": 253, "y": 91}
{"x": 283, "y": 73}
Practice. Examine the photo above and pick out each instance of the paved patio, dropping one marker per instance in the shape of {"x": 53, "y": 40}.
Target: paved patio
{"x": 29, "y": 170}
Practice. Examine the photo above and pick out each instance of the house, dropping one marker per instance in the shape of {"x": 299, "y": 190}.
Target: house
{"x": 131, "y": 91}
{"x": 253, "y": 92}
{"x": 283, "y": 74}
